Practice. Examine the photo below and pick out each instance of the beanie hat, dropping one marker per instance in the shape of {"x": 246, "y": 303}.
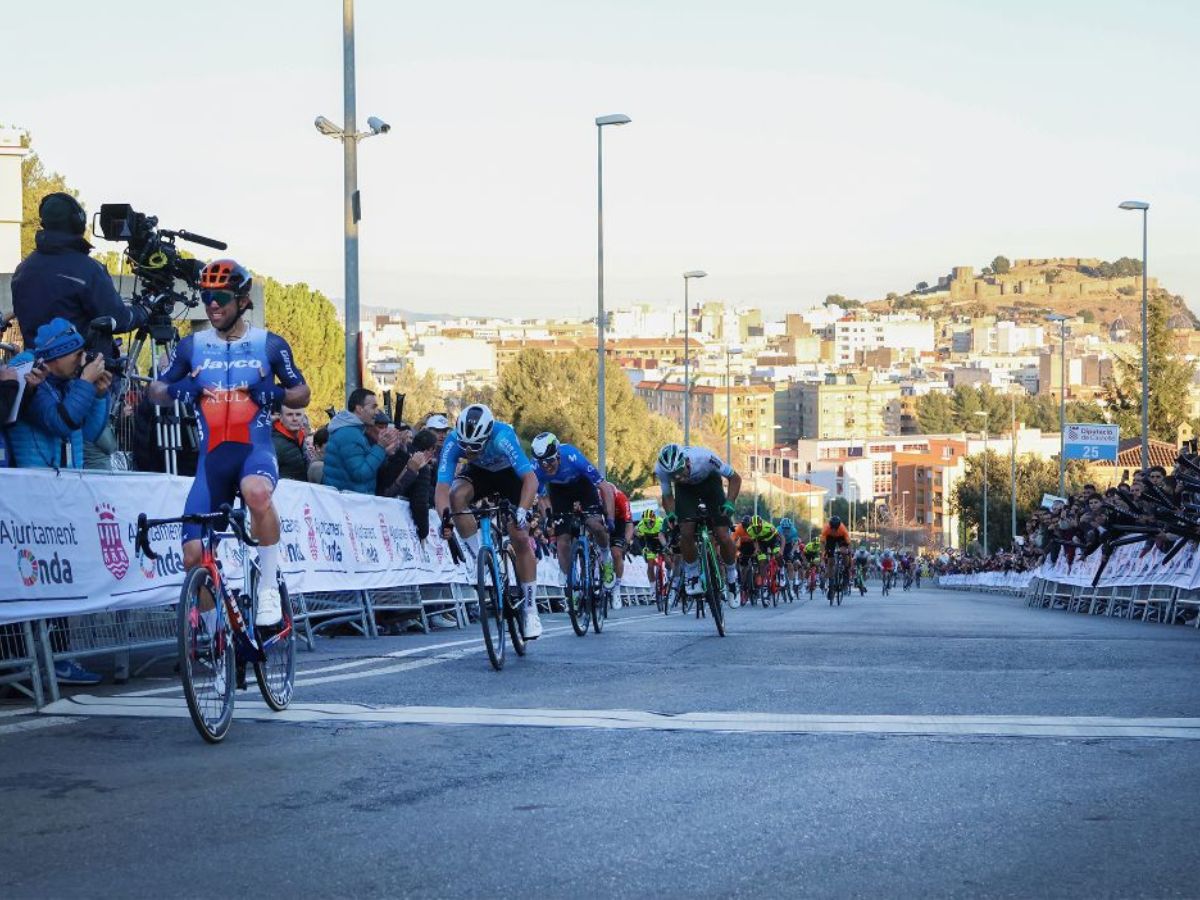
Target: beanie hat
{"x": 57, "y": 338}
{"x": 61, "y": 212}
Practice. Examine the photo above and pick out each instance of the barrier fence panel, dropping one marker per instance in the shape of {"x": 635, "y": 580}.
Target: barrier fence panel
{"x": 19, "y": 664}
{"x": 71, "y": 579}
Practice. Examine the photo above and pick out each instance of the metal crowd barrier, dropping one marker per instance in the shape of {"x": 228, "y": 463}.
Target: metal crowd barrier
{"x": 1143, "y": 602}
{"x": 30, "y": 650}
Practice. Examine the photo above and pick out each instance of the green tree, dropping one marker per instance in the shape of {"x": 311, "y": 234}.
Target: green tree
{"x": 1169, "y": 377}
{"x": 36, "y": 182}
{"x": 835, "y": 300}
{"x": 306, "y": 319}
{"x": 1035, "y": 476}
{"x": 935, "y": 413}
{"x": 537, "y": 392}
{"x": 1001, "y": 265}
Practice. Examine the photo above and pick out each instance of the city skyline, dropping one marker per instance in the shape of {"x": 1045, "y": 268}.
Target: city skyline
{"x": 790, "y": 153}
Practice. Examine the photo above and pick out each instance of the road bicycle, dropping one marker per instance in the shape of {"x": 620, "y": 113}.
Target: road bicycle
{"x": 661, "y": 583}
{"x": 501, "y": 599}
{"x": 780, "y": 584}
{"x": 217, "y": 634}
{"x": 908, "y": 579}
{"x": 889, "y": 578}
{"x": 836, "y": 580}
{"x": 710, "y": 571}
{"x": 587, "y": 598}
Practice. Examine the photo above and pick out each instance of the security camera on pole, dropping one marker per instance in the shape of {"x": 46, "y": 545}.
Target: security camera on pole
{"x": 350, "y": 136}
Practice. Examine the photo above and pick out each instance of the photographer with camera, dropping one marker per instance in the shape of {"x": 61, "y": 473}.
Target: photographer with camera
{"x": 60, "y": 280}
{"x": 69, "y": 407}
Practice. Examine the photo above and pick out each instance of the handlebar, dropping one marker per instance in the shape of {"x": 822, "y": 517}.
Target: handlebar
{"x": 225, "y": 517}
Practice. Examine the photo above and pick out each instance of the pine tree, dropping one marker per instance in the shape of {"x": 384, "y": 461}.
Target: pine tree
{"x": 306, "y": 319}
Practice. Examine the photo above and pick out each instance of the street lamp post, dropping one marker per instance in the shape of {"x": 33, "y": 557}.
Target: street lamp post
{"x": 601, "y": 121}
{"x": 729, "y": 351}
{"x": 1062, "y": 401}
{"x": 1145, "y": 210}
{"x": 1012, "y": 461}
{"x": 352, "y": 207}
{"x": 984, "y": 414}
{"x": 687, "y": 357}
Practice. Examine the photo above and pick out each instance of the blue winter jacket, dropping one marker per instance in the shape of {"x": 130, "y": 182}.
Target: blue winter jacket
{"x": 60, "y": 279}
{"x": 351, "y": 461}
{"x": 61, "y": 415}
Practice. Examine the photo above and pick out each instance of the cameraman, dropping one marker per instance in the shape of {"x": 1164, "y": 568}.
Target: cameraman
{"x": 59, "y": 279}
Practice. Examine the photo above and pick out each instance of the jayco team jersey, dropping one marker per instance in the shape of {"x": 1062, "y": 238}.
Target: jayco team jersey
{"x": 228, "y": 368}
{"x": 703, "y": 463}
{"x": 502, "y": 451}
{"x": 572, "y": 466}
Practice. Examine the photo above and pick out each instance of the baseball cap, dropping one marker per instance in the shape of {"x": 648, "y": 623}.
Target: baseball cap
{"x": 438, "y": 422}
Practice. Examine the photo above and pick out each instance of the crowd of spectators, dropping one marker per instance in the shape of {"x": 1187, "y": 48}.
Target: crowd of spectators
{"x": 1152, "y": 508}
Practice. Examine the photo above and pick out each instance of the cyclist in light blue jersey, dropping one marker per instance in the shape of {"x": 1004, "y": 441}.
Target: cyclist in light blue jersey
{"x": 567, "y": 477}
{"x": 495, "y": 465}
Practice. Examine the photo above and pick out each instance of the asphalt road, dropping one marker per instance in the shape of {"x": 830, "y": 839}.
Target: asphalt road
{"x": 929, "y": 744}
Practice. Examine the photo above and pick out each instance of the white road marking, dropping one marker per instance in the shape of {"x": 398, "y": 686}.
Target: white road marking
{"x": 470, "y": 646}
{"x": 1080, "y": 727}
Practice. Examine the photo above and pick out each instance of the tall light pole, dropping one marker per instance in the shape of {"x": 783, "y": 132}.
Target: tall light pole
{"x": 1012, "y": 461}
{"x": 1062, "y": 401}
{"x": 687, "y": 357}
{"x": 729, "y": 351}
{"x": 601, "y": 121}
{"x": 1145, "y": 208}
{"x": 983, "y": 413}
{"x": 352, "y": 208}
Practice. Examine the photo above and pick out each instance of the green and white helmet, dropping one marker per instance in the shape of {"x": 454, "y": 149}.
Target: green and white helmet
{"x": 672, "y": 458}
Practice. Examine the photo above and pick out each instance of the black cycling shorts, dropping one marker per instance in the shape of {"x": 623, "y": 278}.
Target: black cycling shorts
{"x": 563, "y": 498}
{"x": 505, "y": 483}
{"x": 710, "y": 492}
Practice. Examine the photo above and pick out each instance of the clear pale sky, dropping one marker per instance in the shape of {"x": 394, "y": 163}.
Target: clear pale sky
{"x": 791, "y": 149}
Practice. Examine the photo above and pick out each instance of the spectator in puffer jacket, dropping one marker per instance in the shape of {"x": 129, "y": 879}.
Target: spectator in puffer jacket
{"x": 351, "y": 461}
{"x": 287, "y": 436}
{"x": 68, "y": 408}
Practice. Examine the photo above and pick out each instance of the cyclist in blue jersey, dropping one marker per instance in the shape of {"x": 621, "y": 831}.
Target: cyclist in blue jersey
{"x": 791, "y": 542}
{"x": 569, "y": 478}
{"x": 494, "y": 464}
{"x": 230, "y": 372}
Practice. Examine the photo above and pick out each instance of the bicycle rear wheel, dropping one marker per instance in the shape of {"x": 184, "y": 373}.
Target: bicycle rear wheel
{"x": 577, "y": 590}
{"x": 490, "y": 590}
{"x": 207, "y": 660}
{"x": 714, "y": 587}
{"x": 599, "y": 596}
{"x": 276, "y": 672}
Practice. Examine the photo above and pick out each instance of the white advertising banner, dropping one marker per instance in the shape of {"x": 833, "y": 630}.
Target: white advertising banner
{"x": 67, "y": 543}
{"x": 1010, "y": 581}
{"x": 1130, "y": 565}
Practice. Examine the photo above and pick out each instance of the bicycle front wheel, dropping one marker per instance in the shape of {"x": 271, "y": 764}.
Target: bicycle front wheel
{"x": 577, "y": 591}
{"x": 207, "y": 659}
{"x": 714, "y": 588}
{"x": 276, "y": 672}
{"x": 490, "y": 590}
{"x": 516, "y": 600}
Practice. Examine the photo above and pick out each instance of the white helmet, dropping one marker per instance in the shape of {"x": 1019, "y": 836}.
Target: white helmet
{"x": 672, "y": 458}
{"x": 474, "y": 426}
{"x": 544, "y": 447}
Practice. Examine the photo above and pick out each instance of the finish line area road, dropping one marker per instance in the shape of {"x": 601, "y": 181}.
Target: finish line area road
{"x": 932, "y": 743}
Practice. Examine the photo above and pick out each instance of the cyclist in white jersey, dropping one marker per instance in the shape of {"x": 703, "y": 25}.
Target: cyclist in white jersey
{"x": 690, "y": 476}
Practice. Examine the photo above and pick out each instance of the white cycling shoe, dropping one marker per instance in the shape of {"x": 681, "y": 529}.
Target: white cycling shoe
{"x": 270, "y": 607}
{"x": 533, "y": 623}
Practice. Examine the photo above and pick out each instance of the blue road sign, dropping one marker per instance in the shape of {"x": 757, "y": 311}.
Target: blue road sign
{"x": 1092, "y": 442}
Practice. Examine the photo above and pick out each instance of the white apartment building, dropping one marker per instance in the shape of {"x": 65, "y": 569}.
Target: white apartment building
{"x": 454, "y": 356}
{"x": 854, "y": 336}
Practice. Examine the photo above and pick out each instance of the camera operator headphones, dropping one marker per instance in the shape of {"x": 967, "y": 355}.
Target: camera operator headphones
{"x": 62, "y": 212}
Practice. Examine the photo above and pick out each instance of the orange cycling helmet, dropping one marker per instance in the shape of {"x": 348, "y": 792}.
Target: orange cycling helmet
{"x": 226, "y": 275}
